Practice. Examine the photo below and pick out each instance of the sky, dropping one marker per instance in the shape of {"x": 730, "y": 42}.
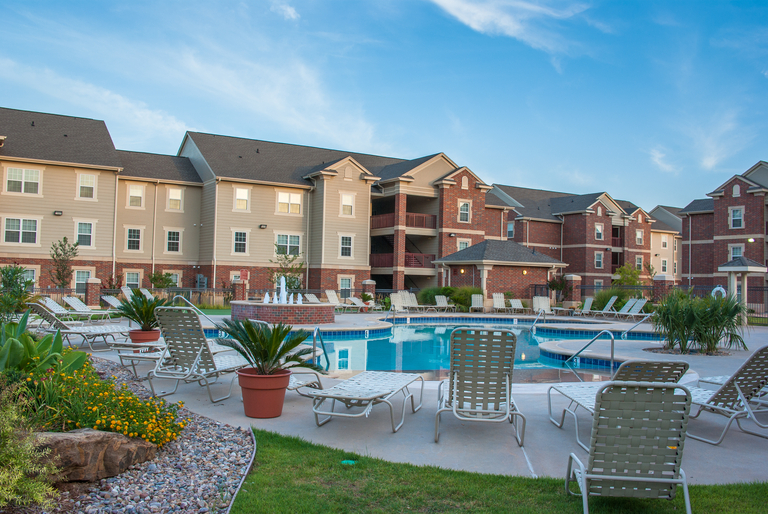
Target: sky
{"x": 653, "y": 102}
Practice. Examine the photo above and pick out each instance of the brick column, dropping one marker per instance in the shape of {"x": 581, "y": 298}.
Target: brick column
{"x": 398, "y": 260}
{"x": 93, "y": 293}
{"x": 574, "y": 284}
{"x": 241, "y": 289}
{"x": 369, "y": 286}
{"x": 662, "y": 284}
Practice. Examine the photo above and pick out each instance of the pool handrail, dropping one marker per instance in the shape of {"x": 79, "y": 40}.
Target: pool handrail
{"x": 541, "y": 313}
{"x": 317, "y": 334}
{"x": 613, "y": 343}
{"x": 624, "y": 334}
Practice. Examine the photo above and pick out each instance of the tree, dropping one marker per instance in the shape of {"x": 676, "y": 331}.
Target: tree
{"x": 161, "y": 280}
{"x": 112, "y": 282}
{"x": 14, "y": 291}
{"x": 62, "y": 253}
{"x": 560, "y": 285}
{"x": 286, "y": 267}
{"x": 628, "y": 274}
{"x": 650, "y": 270}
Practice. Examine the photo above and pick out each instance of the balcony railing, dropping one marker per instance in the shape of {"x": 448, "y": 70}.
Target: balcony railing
{"x": 412, "y": 260}
{"x": 617, "y": 242}
{"x": 412, "y": 219}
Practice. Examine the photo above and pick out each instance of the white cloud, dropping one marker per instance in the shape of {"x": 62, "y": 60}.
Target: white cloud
{"x": 658, "y": 156}
{"x": 133, "y": 124}
{"x": 284, "y": 10}
{"x": 520, "y": 19}
{"x": 718, "y": 138}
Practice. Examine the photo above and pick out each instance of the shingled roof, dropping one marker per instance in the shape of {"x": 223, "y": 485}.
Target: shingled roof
{"x": 157, "y": 166}
{"x": 280, "y": 163}
{"x": 401, "y": 168}
{"x": 494, "y": 250}
{"x": 660, "y": 226}
{"x": 700, "y": 205}
{"x": 52, "y": 137}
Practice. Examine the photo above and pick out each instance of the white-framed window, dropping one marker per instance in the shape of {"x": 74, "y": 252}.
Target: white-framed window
{"x": 735, "y": 251}
{"x": 81, "y": 280}
{"x": 639, "y": 236}
{"x": 511, "y": 230}
{"x": 133, "y": 239}
{"x": 674, "y": 244}
{"x": 664, "y": 241}
{"x": 347, "y": 204}
{"x": 175, "y": 199}
{"x": 86, "y": 186}
{"x": 173, "y": 241}
{"x": 346, "y": 246}
{"x": 674, "y": 267}
{"x": 736, "y": 217}
{"x": 463, "y": 244}
{"x": 133, "y": 279}
{"x": 21, "y": 231}
{"x": 175, "y": 277}
{"x": 663, "y": 265}
{"x": 288, "y": 203}
{"x": 343, "y": 360}
{"x": 30, "y": 274}
{"x": 465, "y": 211}
{"x": 598, "y": 284}
{"x": 23, "y": 181}
{"x": 736, "y": 190}
{"x": 85, "y": 234}
{"x": 346, "y": 283}
{"x": 598, "y": 231}
{"x": 136, "y": 196}
{"x": 240, "y": 240}
{"x": 639, "y": 262}
{"x": 599, "y": 260}
{"x": 288, "y": 244}
{"x": 242, "y": 199}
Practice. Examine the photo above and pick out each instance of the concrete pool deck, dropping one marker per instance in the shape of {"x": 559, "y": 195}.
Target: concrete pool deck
{"x": 490, "y": 447}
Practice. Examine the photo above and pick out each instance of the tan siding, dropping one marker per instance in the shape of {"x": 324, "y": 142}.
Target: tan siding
{"x": 59, "y": 186}
{"x": 188, "y": 221}
{"x": 132, "y": 217}
{"x": 207, "y": 219}
{"x": 335, "y": 224}
{"x": 316, "y": 225}
{"x": 434, "y": 171}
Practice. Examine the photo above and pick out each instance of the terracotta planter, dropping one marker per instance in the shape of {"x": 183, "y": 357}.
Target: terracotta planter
{"x": 263, "y": 395}
{"x": 144, "y": 336}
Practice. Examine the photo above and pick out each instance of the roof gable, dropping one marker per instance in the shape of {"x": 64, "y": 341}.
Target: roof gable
{"x": 500, "y": 252}
{"x": 758, "y": 173}
{"x": 157, "y": 167}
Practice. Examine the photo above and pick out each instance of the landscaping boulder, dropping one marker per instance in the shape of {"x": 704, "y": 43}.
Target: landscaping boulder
{"x": 88, "y": 455}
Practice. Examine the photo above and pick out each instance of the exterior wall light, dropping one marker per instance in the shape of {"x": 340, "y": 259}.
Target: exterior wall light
{"x": 461, "y": 271}
{"x": 58, "y": 213}
{"x": 525, "y": 272}
{"x": 263, "y": 226}
{"x": 451, "y": 235}
{"x": 751, "y": 240}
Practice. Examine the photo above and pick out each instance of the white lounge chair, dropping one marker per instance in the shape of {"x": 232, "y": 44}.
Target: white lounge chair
{"x": 608, "y": 309}
{"x": 60, "y": 312}
{"x": 414, "y": 302}
{"x": 587, "y": 309}
{"x": 442, "y": 304}
{"x": 499, "y": 303}
{"x": 626, "y": 308}
{"x": 81, "y": 308}
{"x": 477, "y": 303}
{"x": 516, "y": 305}
{"x": 479, "y": 385}
{"x": 541, "y": 303}
{"x": 333, "y": 299}
{"x": 735, "y": 397}
{"x": 127, "y": 293}
{"x": 583, "y": 395}
{"x": 358, "y": 304}
{"x": 88, "y": 333}
{"x": 110, "y": 300}
{"x": 397, "y": 303}
{"x": 146, "y": 293}
{"x": 638, "y": 436}
{"x": 187, "y": 355}
{"x": 636, "y": 311}
{"x": 311, "y": 298}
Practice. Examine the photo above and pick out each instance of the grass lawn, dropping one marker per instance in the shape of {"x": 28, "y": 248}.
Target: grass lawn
{"x": 218, "y": 312}
{"x": 292, "y": 475}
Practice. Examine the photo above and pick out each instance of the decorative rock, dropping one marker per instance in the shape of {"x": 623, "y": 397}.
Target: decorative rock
{"x": 88, "y": 455}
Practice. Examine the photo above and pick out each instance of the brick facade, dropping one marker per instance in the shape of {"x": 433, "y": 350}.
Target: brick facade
{"x": 328, "y": 278}
{"x": 503, "y": 279}
{"x": 306, "y": 314}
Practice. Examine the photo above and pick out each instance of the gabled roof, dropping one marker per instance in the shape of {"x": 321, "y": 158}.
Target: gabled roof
{"x": 575, "y": 203}
{"x": 401, "y": 168}
{"x": 54, "y": 138}
{"x": 157, "y": 166}
{"x": 500, "y": 252}
{"x": 534, "y": 203}
{"x": 280, "y": 163}
{"x": 699, "y": 206}
{"x": 743, "y": 264}
{"x": 660, "y": 226}
{"x": 751, "y": 183}
{"x": 671, "y": 210}
{"x": 491, "y": 200}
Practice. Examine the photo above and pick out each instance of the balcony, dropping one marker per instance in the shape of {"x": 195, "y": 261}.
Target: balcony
{"x": 412, "y": 219}
{"x": 617, "y": 242}
{"x": 412, "y": 260}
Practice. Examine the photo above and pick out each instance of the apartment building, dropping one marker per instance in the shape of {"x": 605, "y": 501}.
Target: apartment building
{"x": 731, "y": 223}
{"x": 666, "y": 242}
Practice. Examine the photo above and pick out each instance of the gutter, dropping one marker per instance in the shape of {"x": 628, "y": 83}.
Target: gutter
{"x": 690, "y": 249}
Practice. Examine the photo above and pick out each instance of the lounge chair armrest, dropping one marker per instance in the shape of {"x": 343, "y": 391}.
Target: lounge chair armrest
{"x": 569, "y": 472}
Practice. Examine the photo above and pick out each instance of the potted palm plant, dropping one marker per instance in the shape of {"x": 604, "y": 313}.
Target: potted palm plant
{"x": 271, "y": 352}
{"x": 141, "y": 310}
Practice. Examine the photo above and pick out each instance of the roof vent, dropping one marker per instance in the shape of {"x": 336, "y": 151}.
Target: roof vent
{"x": 33, "y": 123}
{"x": 2, "y": 141}
{"x": 257, "y": 150}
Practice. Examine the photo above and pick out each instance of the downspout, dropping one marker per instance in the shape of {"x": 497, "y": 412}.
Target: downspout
{"x": 309, "y": 235}
{"x": 527, "y": 232}
{"x": 501, "y": 232}
{"x": 154, "y": 227}
{"x": 114, "y": 230}
{"x": 562, "y": 226}
{"x": 215, "y": 224}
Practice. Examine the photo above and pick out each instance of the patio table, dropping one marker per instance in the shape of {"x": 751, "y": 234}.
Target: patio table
{"x": 365, "y": 390}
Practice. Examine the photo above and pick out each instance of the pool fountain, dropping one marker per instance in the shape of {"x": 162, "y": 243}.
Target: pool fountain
{"x": 281, "y": 308}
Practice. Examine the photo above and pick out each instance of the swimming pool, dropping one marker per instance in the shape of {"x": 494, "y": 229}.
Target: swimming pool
{"x": 423, "y": 348}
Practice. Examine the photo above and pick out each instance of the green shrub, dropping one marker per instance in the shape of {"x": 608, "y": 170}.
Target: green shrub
{"x": 14, "y": 291}
{"x": 25, "y": 476}
{"x": 462, "y": 296}
{"x": 19, "y": 351}
{"x": 427, "y": 296}
{"x": 81, "y": 399}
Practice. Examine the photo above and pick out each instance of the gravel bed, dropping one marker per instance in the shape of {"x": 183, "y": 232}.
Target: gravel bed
{"x": 197, "y": 473}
